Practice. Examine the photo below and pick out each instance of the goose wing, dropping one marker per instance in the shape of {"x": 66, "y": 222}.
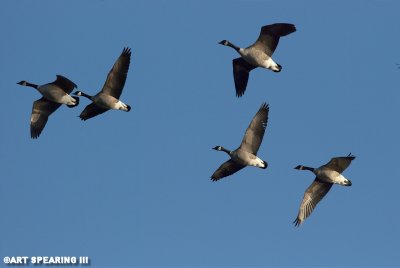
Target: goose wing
{"x": 117, "y": 76}
{"x": 241, "y": 70}
{"x": 255, "y": 132}
{"x": 339, "y": 164}
{"x": 41, "y": 111}
{"x": 91, "y": 111}
{"x": 269, "y": 36}
{"x": 314, "y": 193}
{"x": 226, "y": 169}
{"x": 64, "y": 83}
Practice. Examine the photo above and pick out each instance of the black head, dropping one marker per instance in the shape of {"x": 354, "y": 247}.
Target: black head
{"x": 77, "y": 93}
{"x": 22, "y": 83}
{"x": 217, "y": 148}
{"x": 300, "y": 167}
{"x": 224, "y": 42}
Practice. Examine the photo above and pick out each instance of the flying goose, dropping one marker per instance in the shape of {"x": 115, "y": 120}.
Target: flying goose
{"x": 246, "y": 154}
{"x": 108, "y": 97}
{"x": 326, "y": 176}
{"x": 258, "y": 54}
{"x": 54, "y": 94}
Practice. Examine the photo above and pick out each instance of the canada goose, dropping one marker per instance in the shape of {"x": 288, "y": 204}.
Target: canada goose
{"x": 246, "y": 154}
{"x": 108, "y": 97}
{"x": 258, "y": 54}
{"x": 326, "y": 176}
{"x": 54, "y": 94}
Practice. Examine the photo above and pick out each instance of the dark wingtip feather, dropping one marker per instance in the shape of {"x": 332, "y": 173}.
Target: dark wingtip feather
{"x": 239, "y": 94}
{"x": 264, "y": 106}
{"x": 297, "y": 222}
{"x": 351, "y": 156}
{"x": 126, "y": 51}
{"x": 35, "y": 134}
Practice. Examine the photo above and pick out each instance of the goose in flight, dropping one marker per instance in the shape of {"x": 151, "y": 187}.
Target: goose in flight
{"x": 326, "y": 176}
{"x": 108, "y": 97}
{"x": 246, "y": 154}
{"x": 54, "y": 94}
{"x": 258, "y": 54}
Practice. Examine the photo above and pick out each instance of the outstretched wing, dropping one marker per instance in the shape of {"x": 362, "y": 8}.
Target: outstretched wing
{"x": 241, "y": 70}
{"x": 314, "y": 193}
{"x": 255, "y": 132}
{"x": 91, "y": 111}
{"x": 269, "y": 36}
{"x": 117, "y": 76}
{"x": 226, "y": 169}
{"x": 41, "y": 111}
{"x": 64, "y": 83}
{"x": 339, "y": 164}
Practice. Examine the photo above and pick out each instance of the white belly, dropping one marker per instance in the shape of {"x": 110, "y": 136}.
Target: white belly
{"x": 257, "y": 162}
{"x": 331, "y": 176}
{"x": 248, "y": 159}
{"x": 109, "y": 102}
{"x": 271, "y": 64}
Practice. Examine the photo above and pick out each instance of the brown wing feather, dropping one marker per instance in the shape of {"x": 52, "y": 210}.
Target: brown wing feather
{"x": 64, "y": 83}
{"x": 226, "y": 169}
{"x": 117, "y": 76}
{"x": 339, "y": 164}
{"x": 255, "y": 132}
{"x": 91, "y": 111}
{"x": 241, "y": 70}
{"x": 269, "y": 36}
{"x": 314, "y": 193}
{"x": 41, "y": 111}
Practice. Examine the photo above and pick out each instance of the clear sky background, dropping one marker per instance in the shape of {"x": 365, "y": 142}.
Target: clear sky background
{"x": 133, "y": 189}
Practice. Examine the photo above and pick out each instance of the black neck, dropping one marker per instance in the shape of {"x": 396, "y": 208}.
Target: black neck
{"x": 307, "y": 168}
{"x": 229, "y": 44}
{"x": 225, "y": 150}
{"x": 31, "y": 85}
{"x": 86, "y": 95}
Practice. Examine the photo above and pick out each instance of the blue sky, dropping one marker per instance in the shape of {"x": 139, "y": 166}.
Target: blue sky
{"x": 133, "y": 189}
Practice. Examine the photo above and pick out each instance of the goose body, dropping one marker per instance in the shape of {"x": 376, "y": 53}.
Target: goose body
{"x": 108, "y": 97}
{"x": 259, "y": 58}
{"x": 331, "y": 176}
{"x": 248, "y": 159}
{"x": 326, "y": 176}
{"x": 54, "y": 95}
{"x": 246, "y": 154}
{"x": 258, "y": 54}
